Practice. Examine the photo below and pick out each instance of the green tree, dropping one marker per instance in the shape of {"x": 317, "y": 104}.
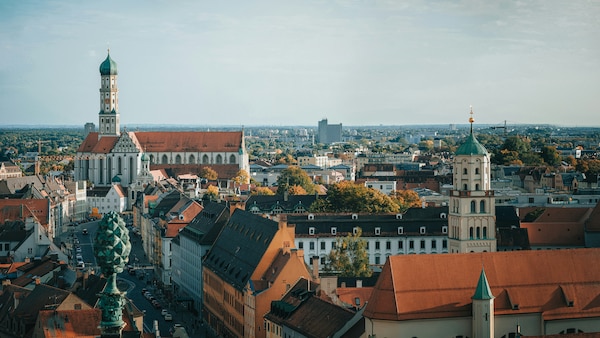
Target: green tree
{"x": 346, "y": 196}
{"x": 208, "y": 173}
{"x": 294, "y": 175}
{"x": 349, "y": 258}
{"x": 550, "y": 155}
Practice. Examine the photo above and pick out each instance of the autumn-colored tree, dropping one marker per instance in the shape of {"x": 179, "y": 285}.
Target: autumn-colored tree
{"x": 212, "y": 193}
{"x": 588, "y": 166}
{"x": 241, "y": 177}
{"x": 406, "y": 199}
{"x": 294, "y": 175}
{"x": 296, "y": 190}
{"x": 208, "y": 173}
{"x": 262, "y": 191}
{"x": 349, "y": 258}
{"x": 346, "y": 196}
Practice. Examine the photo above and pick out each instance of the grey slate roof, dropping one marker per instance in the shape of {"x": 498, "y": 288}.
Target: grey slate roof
{"x": 240, "y": 246}
{"x": 267, "y": 203}
{"x": 207, "y": 225}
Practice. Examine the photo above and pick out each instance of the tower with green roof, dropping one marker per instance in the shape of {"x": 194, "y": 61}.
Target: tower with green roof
{"x": 483, "y": 309}
{"x": 108, "y": 117}
{"x": 472, "y": 214}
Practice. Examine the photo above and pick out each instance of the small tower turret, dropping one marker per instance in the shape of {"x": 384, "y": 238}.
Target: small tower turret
{"x": 483, "y": 309}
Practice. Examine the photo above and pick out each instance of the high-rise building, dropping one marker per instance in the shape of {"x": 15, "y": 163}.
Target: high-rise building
{"x": 329, "y": 133}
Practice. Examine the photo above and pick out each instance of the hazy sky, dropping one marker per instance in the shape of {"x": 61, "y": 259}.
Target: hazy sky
{"x": 363, "y": 62}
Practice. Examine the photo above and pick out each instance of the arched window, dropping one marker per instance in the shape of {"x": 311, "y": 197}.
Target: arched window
{"x": 165, "y": 159}
{"x": 205, "y": 159}
{"x": 152, "y": 159}
{"x": 477, "y": 186}
{"x": 192, "y": 159}
{"x": 219, "y": 159}
{"x": 482, "y": 206}
{"x": 476, "y": 171}
{"x": 178, "y": 159}
{"x": 484, "y": 232}
{"x": 464, "y": 171}
{"x": 478, "y": 232}
{"x": 465, "y": 186}
{"x": 473, "y": 207}
{"x": 470, "y": 232}
{"x": 119, "y": 166}
{"x": 110, "y": 171}
{"x": 232, "y": 159}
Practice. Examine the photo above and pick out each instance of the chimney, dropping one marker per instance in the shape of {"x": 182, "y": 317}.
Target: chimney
{"x": 359, "y": 283}
{"x": 286, "y": 196}
{"x": 315, "y": 267}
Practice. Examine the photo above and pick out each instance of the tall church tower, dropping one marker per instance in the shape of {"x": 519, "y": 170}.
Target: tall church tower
{"x": 483, "y": 309}
{"x": 472, "y": 216}
{"x": 108, "y": 117}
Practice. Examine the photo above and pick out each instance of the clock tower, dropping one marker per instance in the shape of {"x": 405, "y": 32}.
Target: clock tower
{"x": 108, "y": 117}
{"x": 472, "y": 216}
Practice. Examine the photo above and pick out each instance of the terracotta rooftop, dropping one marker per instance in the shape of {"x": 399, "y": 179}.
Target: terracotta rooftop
{"x": 593, "y": 222}
{"x": 70, "y": 323}
{"x": 555, "y": 226}
{"x": 442, "y": 285}
{"x": 92, "y": 144}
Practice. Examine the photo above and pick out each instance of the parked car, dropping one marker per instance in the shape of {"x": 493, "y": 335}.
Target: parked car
{"x": 84, "y": 232}
{"x": 156, "y": 304}
{"x": 168, "y": 317}
{"x": 164, "y": 312}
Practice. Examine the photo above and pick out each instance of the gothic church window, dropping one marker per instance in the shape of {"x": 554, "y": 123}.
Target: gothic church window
{"x": 192, "y": 159}
{"x": 178, "y": 159}
{"x": 165, "y": 159}
{"x": 482, "y": 207}
{"x": 232, "y": 159}
{"x": 472, "y": 207}
{"x": 219, "y": 159}
{"x": 205, "y": 159}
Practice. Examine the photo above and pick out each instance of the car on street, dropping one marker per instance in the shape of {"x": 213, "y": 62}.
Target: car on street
{"x": 78, "y": 249}
{"x": 168, "y": 317}
{"x": 164, "y": 312}
{"x": 84, "y": 231}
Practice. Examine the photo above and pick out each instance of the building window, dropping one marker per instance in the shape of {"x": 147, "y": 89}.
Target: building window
{"x": 219, "y": 159}
{"x": 434, "y": 244}
{"x": 482, "y": 206}
{"x": 311, "y": 231}
{"x": 377, "y": 245}
{"x": 422, "y": 244}
{"x": 388, "y": 245}
{"x": 473, "y": 207}
{"x": 485, "y": 232}
{"x": 377, "y": 231}
{"x": 411, "y": 244}
{"x": 311, "y": 245}
{"x": 470, "y": 232}
{"x": 444, "y": 244}
{"x": 322, "y": 245}
{"x": 400, "y": 230}
{"x": 232, "y": 159}
{"x": 300, "y": 245}
{"x": 422, "y": 230}
{"x": 400, "y": 245}
{"x": 334, "y": 231}
{"x": 355, "y": 230}
{"x": 333, "y": 245}
{"x": 464, "y": 171}
{"x": 445, "y": 229}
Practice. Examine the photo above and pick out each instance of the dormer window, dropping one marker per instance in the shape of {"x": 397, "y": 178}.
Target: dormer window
{"x": 311, "y": 231}
{"x": 377, "y": 231}
{"x": 400, "y": 230}
{"x": 355, "y": 230}
{"x": 445, "y": 229}
{"x": 422, "y": 230}
{"x": 334, "y": 231}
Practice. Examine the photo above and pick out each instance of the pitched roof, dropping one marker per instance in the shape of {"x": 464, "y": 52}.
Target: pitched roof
{"x": 190, "y": 141}
{"x": 555, "y": 226}
{"x": 441, "y": 286}
{"x": 240, "y": 247}
{"x": 482, "y": 291}
{"x": 207, "y": 224}
{"x": 92, "y": 144}
{"x": 71, "y": 323}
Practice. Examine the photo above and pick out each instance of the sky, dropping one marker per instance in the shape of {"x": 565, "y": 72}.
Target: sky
{"x": 287, "y": 62}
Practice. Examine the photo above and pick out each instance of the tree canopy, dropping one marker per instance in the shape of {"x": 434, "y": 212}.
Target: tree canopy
{"x": 406, "y": 199}
{"x": 208, "y": 173}
{"x": 241, "y": 177}
{"x": 294, "y": 176}
{"x": 346, "y": 196}
{"x": 349, "y": 258}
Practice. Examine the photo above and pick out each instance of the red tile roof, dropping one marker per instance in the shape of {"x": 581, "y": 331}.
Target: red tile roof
{"x": 555, "y": 226}
{"x": 92, "y": 144}
{"x": 71, "y": 323}
{"x": 441, "y": 285}
{"x": 190, "y": 141}
{"x": 38, "y": 207}
{"x": 593, "y": 222}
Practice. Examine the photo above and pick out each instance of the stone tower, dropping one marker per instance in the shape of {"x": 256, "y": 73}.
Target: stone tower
{"x": 108, "y": 117}
{"x": 483, "y": 309}
{"x": 111, "y": 248}
{"x": 472, "y": 216}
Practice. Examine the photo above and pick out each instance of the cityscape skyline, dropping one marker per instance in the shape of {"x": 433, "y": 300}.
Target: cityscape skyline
{"x": 355, "y": 63}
